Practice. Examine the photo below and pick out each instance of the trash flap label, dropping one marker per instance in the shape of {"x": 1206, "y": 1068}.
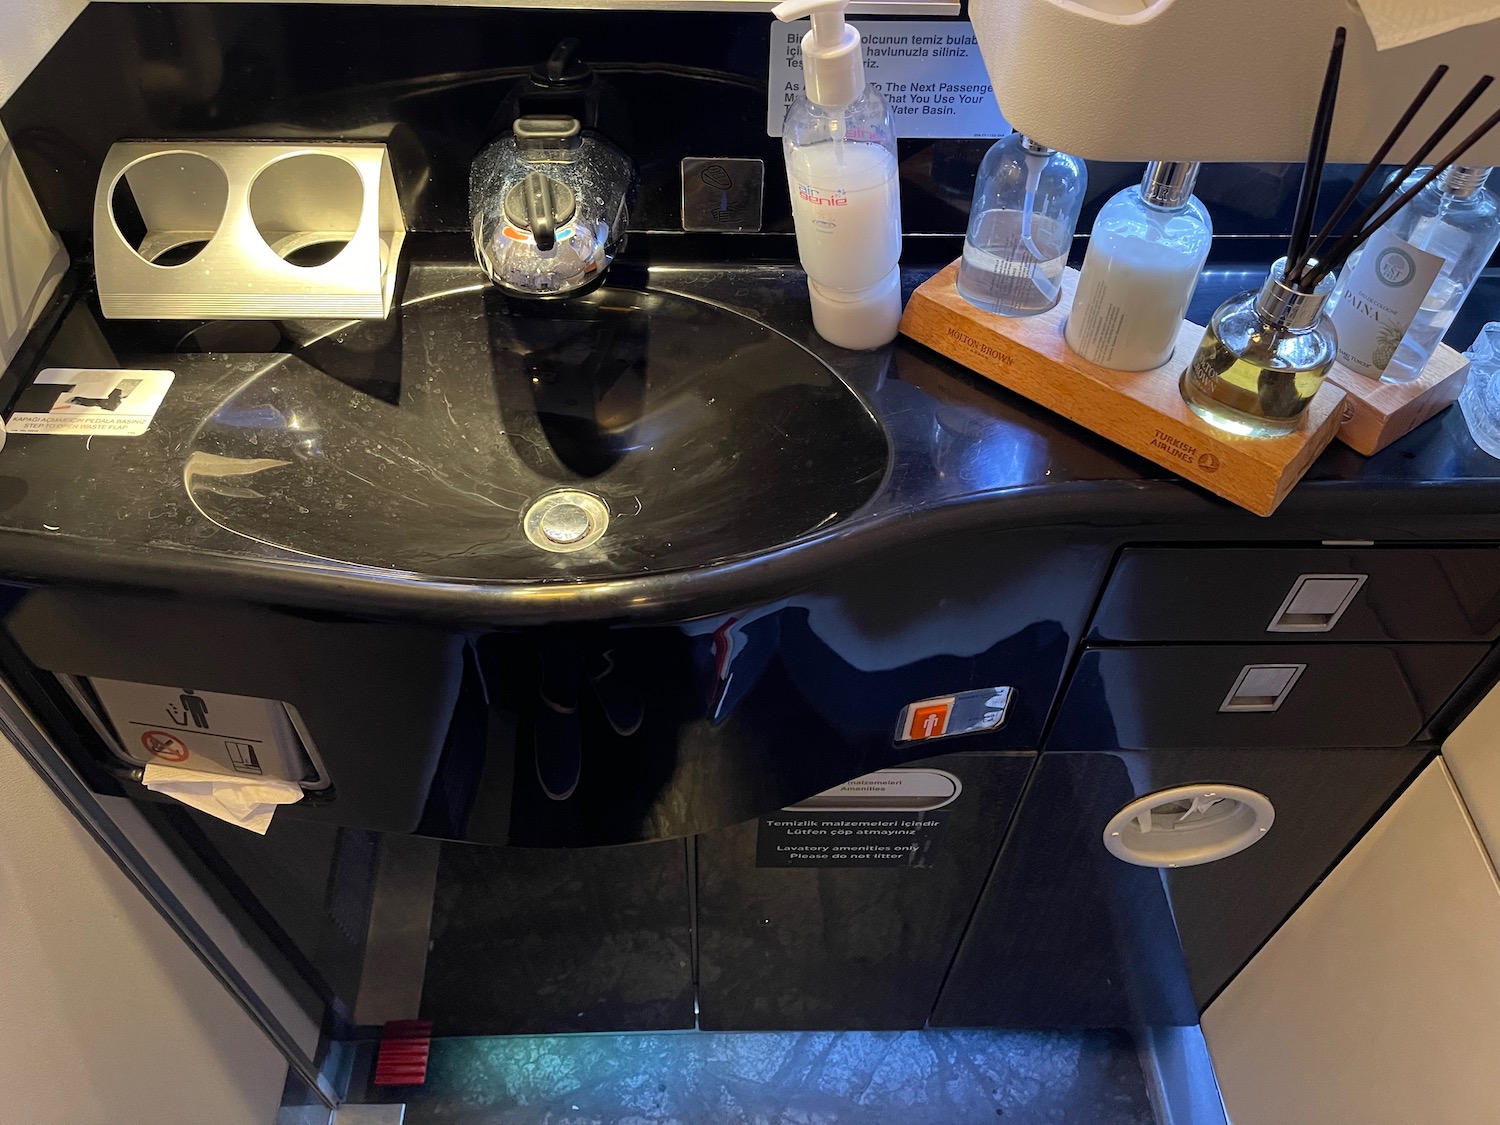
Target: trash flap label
{"x": 236, "y": 735}
{"x": 107, "y": 403}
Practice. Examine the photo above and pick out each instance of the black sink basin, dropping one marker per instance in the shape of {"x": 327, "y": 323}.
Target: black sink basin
{"x": 472, "y": 437}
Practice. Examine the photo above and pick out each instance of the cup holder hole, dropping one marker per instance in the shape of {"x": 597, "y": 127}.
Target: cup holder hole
{"x": 168, "y": 206}
{"x": 315, "y": 253}
{"x": 180, "y": 254}
{"x": 307, "y": 207}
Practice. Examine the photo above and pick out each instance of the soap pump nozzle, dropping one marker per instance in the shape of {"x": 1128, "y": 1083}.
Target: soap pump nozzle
{"x": 833, "y": 65}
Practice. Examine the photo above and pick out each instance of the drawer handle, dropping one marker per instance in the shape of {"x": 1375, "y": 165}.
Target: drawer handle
{"x": 1316, "y": 602}
{"x": 1262, "y": 687}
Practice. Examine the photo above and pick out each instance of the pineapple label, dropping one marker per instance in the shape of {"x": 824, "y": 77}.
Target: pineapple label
{"x": 1382, "y": 294}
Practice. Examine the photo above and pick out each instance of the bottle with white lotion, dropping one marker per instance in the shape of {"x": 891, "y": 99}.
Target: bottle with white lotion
{"x": 840, "y": 145}
{"x": 1145, "y": 252}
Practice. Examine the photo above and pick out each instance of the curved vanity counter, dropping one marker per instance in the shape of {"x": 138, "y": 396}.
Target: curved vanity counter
{"x": 899, "y": 535}
{"x": 745, "y": 479}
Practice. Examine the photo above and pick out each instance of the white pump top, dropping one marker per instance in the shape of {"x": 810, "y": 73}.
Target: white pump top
{"x": 833, "y": 63}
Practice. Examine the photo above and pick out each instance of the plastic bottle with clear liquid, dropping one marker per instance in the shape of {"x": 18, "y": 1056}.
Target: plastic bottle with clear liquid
{"x": 839, "y": 140}
{"x": 1457, "y": 219}
{"x": 1026, "y": 204}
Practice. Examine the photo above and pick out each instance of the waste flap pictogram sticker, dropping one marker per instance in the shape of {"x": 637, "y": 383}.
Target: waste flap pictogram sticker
{"x": 164, "y": 747}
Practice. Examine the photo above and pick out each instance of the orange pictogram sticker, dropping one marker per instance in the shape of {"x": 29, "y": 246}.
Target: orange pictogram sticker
{"x": 164, "y": 746}
{"x": 929, "y": 721}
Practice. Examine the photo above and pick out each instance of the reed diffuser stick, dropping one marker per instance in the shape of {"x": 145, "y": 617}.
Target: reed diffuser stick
{"x": 1294, "y": 275}
{"x": 1341, "y": 254}
{"x": 1317, "y": 151}
{"x": 1345, "y": 245}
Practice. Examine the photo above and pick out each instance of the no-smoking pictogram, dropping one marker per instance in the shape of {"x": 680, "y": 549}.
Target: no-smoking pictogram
{"x": 166, "y": 747}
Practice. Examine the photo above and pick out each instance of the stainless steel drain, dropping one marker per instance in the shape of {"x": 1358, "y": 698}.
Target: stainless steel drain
{"x": 567, "y": 520}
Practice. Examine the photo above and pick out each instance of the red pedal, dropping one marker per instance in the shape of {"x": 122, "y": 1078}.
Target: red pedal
{"x": 404, "y": 1049}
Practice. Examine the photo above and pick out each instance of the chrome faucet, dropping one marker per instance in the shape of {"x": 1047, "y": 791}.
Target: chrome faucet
{"x": 549, "y": 201}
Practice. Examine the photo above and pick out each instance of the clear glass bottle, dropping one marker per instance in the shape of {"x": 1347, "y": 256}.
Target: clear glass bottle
{"x": 1456, "y": 218}
{"x": 1145, "y": 252}
{"x": 1480, "y": 398}
{"x": 1026, "y": 204}
{"x": 1263, "y": 357}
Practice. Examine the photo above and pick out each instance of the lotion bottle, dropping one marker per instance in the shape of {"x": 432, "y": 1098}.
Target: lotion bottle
{"x": 840, "y": 145}
{"x": 1145, "y": 252}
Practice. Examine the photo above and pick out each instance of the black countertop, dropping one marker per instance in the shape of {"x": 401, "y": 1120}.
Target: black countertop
{"x": 963, "y": 454}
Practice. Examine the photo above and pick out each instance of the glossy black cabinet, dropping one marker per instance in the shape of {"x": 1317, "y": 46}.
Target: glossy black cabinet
{"x": 1190, "y": 696}
{"x": 647, "y": 733}
{"x": 537, "y": 940}
{"x": 1067, "y": 935}
{"x": 378, "y": 698}
{"x": 1226, "y": 594}
{"x": 481, "y": 940}
{"x": 840, "y": 947}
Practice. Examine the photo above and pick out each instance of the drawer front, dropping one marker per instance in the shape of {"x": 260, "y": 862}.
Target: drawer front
{"x": 1222, "y": 594}
{"x": 1196, "y": 696}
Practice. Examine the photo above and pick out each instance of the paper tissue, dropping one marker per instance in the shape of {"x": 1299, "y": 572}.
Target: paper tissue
{"x": 246, "y": 802}
{"x": 1395, "y": 23}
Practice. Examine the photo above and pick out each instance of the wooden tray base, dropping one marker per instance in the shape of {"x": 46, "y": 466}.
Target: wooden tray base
{"x": 1142, "y": 411}
{"x": 1376, "y": 413}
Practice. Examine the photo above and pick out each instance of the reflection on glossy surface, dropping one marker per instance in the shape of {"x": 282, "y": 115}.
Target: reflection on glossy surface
{"x": 706, "y": 435}
{"x": 858, "y": 1078}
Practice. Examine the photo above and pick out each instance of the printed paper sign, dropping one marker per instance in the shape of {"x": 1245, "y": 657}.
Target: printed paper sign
{"x": 929, "y": 72}
{"x": 71, "y": 400}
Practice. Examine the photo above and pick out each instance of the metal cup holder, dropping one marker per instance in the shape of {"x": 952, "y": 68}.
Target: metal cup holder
{"x": 247, "y": 230}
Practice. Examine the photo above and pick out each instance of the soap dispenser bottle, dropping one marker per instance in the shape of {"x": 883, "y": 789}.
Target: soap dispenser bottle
{"x": 840, "y": 145}
{"x": 1026, "y": 204}
{"x": 1145, "y": 252}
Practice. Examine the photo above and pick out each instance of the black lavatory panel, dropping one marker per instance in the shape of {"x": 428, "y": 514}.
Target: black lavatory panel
{"x": 379, "y": 700}
{"x": 853, "y": 942}
{"x": 1228, "y": 594}
{"x": 589, "y": 735}
{"x": 1189, "y": 696}
{"x": 1068, "y": 935}
{"x": 534, "y": 941}
{"x": 482, "y": 940}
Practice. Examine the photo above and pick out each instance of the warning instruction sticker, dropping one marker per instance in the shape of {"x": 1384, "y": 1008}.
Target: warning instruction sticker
{"x": 848, "y": 839}
{"x": 203, "y": 730}
{"x": 929, "y": 71}
{"x": 888, "y": 818}
{"x": 72, "y": 400}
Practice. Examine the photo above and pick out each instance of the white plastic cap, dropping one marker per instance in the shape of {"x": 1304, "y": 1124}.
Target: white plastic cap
{"x": 833, "y": 62}
{"x": 859, "y": 319}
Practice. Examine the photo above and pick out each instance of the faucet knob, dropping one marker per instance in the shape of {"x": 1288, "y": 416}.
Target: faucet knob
{"x": 563, "y": 67}
{"x": 540, "y": 204}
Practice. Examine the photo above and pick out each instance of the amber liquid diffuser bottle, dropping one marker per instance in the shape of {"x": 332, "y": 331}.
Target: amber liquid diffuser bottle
{"x": 1263, "y": 357}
